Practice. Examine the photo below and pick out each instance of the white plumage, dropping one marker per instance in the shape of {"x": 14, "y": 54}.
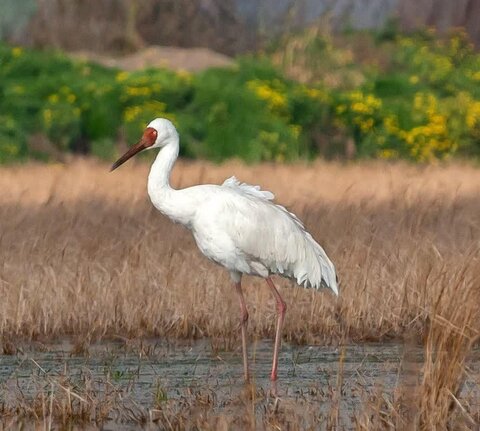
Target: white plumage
{"x": 271, "y": 240}
{"x": 235, "y": 224}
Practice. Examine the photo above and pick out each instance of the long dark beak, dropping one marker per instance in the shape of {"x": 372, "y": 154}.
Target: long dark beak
{"x": 139, "y": 146}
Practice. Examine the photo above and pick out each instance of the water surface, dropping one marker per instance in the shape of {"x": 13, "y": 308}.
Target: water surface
{"x": 143, "y": 376}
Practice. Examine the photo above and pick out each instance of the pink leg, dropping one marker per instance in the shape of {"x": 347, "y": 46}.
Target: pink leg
{"x": 244, "y": 323}
{"x": 281, "y": 310}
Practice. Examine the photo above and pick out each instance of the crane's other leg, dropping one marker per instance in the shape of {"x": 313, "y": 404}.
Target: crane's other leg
{"x": 243, "y": 323}
{"x": 281, "y": 310}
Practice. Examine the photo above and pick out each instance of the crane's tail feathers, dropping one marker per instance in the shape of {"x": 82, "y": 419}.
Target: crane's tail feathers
{"x": 315, "y": 270}
{"x": 319, "y": 270}
{"x": 333, "y": 287}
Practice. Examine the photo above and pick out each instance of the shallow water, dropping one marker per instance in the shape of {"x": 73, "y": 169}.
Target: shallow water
{"x": 144, "y": 375}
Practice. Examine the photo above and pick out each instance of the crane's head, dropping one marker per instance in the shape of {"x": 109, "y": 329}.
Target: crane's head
{"x": 158, "y": 133}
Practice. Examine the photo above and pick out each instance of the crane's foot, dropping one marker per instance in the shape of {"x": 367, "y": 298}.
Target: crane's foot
{"x": 274, "y": 389}
{"x": 273, "y": 398}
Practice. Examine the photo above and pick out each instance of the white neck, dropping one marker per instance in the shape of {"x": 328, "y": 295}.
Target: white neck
{"x": 173, "y": 203}
{"x": 159, "y": 176}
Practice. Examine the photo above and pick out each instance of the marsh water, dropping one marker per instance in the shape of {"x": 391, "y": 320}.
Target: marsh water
{"x": 145, "y": 375}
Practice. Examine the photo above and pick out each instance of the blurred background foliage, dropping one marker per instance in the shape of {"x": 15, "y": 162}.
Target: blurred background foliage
{"x": 376, "y": 94}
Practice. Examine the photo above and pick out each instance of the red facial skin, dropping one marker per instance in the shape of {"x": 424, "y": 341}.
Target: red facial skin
{"x": 148, "y": 139}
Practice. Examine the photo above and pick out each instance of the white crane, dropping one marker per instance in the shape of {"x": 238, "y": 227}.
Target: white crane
{"x": 237, "y": 226}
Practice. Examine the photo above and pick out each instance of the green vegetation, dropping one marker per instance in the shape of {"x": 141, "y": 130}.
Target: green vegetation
{"x": 392, "y": 96}
{"x": 415, "y": 97}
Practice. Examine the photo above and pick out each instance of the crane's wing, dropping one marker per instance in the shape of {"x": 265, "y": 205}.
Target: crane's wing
{"x": 248, "y": 189}
{"x": 273, "y": 239}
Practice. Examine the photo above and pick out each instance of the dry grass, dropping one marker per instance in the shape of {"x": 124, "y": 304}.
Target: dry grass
{"x": 84, "y": 253}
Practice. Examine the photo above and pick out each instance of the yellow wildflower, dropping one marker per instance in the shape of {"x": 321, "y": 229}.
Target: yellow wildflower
{"x": 391, "y": 124}
{"x": 360, "y": 107}
{"x": 53, "y": 98}
{"x": 366, "y": 125}
{"x": 388, "y": 154}
{"x": 17, "y": 51}
{"x": 316, "y": 94}
{"x": 472, "y": 117}
{"x": 18, "y": 89}
{"x": 138, "y": 91}
{"x": 121, "y": 76}
{"x": 131, "y": 113}
{"x": 296, "y": 130}
{"x": 10, "y": 149}
{"x": 184, "y": 75}
{"x": 364, "y": 104}
{"x": 275, "y": 100}
{"x": 47, "y": 117}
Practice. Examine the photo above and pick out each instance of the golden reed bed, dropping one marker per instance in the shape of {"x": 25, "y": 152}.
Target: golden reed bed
{"x": 83, "y": 253}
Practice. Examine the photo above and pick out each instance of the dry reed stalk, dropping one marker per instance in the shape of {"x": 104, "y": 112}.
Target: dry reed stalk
{"x": 450, "y": 338}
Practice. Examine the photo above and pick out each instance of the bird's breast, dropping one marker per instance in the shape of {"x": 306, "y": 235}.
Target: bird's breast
{"x": 172, "y": 204}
